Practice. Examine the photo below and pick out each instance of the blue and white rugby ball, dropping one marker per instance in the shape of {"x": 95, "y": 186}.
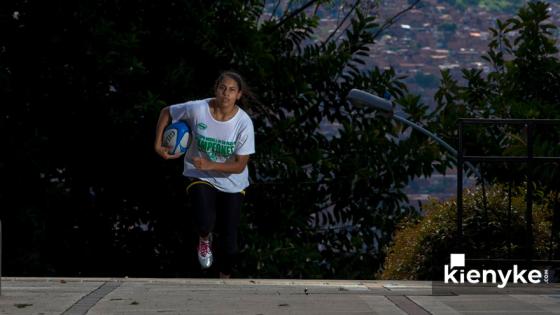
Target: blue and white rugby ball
{"x": 177, "y": 137}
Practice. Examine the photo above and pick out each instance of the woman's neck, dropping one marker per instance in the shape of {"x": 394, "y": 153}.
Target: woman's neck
{"x": 221, "y": 112}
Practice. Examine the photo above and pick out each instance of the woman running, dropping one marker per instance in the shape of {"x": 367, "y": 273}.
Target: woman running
{"x": 215, "y": 165}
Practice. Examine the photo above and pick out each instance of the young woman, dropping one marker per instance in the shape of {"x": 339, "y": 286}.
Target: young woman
{"x": 215, "y": 164}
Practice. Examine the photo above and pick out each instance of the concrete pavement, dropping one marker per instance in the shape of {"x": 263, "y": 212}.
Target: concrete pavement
{"x": 101, "y": 296}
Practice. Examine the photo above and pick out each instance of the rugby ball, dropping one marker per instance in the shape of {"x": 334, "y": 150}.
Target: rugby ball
{"x": 177, "y": 137}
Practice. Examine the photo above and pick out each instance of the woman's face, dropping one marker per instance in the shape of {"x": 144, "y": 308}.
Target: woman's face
{"x": 227, "y": 92}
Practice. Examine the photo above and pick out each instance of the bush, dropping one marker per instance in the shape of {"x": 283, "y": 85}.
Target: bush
{"x": 421, "y": 243}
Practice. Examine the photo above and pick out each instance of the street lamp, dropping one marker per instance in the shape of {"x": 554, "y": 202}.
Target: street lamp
{"x": 362, "y": 98}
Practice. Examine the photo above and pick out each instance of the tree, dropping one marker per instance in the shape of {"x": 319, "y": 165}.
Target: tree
{"x": 90, "y": 79}
{"x": 522, "y": 83}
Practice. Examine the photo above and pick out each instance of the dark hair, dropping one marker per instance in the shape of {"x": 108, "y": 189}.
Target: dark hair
{"x": 247, "y": 95}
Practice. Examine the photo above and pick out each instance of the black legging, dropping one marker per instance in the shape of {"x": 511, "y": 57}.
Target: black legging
{"x": 215, "y": 210}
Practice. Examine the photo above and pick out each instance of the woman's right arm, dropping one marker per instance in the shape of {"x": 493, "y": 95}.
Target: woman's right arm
{"x": 163, "y": 121}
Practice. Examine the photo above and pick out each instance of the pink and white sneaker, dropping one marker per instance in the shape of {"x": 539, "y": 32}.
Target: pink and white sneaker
{"x": 205, "y": 253}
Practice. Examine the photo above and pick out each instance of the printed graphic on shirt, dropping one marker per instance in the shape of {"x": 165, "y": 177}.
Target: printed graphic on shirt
{"x": 215, "y": 147}
{"x": 202, "y": 126}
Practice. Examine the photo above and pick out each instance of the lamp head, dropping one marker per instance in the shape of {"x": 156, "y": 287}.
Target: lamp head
{"x": 360, "y": 98}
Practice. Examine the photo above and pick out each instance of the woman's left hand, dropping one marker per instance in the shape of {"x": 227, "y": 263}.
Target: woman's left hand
{"x": 202, "y": 164}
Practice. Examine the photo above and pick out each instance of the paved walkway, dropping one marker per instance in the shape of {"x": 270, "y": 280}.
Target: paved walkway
{"x": 102, "y": 296}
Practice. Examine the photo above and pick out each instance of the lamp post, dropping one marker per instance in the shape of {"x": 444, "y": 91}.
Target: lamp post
{"x": 362, "y": 98}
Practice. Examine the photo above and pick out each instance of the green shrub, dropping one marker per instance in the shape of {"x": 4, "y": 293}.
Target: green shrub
{"x": 421, "y": 243}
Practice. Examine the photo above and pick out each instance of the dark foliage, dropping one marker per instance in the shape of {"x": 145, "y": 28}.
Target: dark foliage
{"x": 83, "y": 193}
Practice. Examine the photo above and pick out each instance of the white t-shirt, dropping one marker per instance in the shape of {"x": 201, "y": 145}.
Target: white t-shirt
{"x": 216, "y": 141}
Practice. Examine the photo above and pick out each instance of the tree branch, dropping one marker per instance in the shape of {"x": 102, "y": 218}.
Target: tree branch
{"x": 341, "y": 23}
{"x": 259, "y": 17}
{"x": 295, "y": 13}
{"x": 274, "y": 10}
{"x": 388, "y": 23}
{"x": 287, "y": 8}
{"x": 316, "y": 9}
